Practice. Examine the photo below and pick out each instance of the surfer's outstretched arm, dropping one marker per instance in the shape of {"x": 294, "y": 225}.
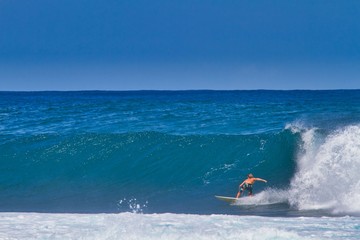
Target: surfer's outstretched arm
{"x": 242, "y": 184}
{"x": 260, "y": 179}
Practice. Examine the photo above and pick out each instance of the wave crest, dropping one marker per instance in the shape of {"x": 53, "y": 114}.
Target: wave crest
{"x": 327, "y": 175}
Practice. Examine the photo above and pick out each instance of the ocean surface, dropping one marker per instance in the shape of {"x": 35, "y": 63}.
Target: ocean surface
{"x": 147, "y": 164}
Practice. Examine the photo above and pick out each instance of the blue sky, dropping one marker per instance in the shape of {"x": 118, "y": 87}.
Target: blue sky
{"x": 184, "y": 44}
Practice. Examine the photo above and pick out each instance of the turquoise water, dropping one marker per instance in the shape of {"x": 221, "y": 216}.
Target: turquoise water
{"x": 172, "y": 151}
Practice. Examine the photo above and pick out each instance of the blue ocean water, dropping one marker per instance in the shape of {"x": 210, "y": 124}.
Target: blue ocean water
{"x": 172, "y": 151}
{"x": 166, "y": 154}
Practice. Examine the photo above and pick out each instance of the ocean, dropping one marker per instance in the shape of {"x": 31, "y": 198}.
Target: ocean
{"x": 148, "y": 164}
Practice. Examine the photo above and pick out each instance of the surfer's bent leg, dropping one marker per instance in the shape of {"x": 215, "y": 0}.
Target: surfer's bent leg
{"x": 239, "y": 192}
{"x": 250, "y": 190}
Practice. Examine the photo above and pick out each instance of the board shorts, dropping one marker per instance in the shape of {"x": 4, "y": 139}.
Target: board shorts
{"x": 247, "y": 187}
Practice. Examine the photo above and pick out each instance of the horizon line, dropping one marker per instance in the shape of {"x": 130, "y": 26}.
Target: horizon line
{"x": 181, "y": 90}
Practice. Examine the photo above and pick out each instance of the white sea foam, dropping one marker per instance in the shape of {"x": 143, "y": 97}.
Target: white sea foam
{"x": 328, "y": 175}
{"x": 173, "y": 226}
{"x": 266, "y": 197}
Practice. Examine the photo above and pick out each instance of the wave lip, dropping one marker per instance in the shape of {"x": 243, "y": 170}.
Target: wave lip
{"x": 328, "y": 174}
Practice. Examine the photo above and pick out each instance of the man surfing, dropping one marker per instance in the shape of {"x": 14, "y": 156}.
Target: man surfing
{"x": 247, "y": 184}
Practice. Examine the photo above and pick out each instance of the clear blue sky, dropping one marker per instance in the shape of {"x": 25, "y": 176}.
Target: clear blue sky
{"x": 183, "y": 44}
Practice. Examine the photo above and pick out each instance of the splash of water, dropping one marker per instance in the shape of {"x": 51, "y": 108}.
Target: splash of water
{"x": 267, "y": 197}
{"x": 133, "y": 205}
{"x": 328, "y": 174}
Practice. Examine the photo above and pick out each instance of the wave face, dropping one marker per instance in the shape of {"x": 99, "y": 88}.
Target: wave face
{"x": 157, "y": 152}
{"x": 87, "y": 170}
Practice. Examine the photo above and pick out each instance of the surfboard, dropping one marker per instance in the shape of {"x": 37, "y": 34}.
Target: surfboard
{"x": 226, "y": 199}
{"x": 249, "y": 201}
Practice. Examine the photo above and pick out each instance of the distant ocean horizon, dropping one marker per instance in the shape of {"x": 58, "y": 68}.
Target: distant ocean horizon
{"x": 176, "y": 90}
{"x": 104, "y": 161}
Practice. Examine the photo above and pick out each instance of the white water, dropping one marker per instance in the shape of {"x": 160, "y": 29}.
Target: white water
{"x": 267, "y": 197}
{"x": 328, "y": 175}
{"x": 130, "y": 226}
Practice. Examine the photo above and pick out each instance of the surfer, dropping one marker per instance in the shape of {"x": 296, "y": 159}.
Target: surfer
{"x": 247, "y": 184}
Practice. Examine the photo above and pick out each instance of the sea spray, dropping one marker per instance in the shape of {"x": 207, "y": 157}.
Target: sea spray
{"x": 328, "y": 174}
{"x": 133, "y": 205}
